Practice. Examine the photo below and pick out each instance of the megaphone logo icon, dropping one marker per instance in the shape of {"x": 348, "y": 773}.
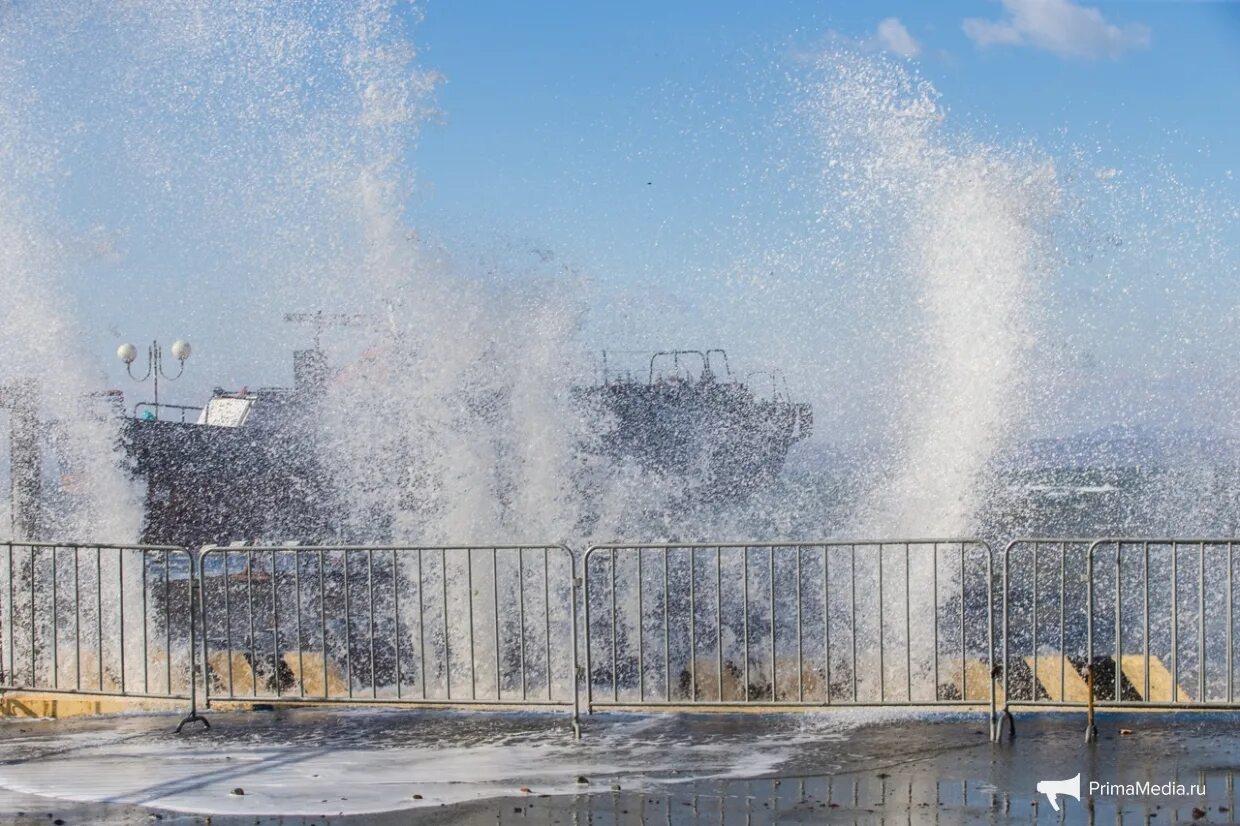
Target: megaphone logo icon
{"x": 1053, "y": 788}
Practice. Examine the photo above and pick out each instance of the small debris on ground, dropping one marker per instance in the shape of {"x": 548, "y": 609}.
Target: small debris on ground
{"x": 1124, "y": 732}
{"x": 583, "y": 780}
{"x": 238, "y": 792}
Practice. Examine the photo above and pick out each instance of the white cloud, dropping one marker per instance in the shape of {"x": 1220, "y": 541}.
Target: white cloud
{"x": 893, "y": 36}
{"x": 1059, "y": 26}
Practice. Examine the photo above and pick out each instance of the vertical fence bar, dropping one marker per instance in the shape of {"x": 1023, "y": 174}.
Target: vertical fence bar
{"x": 469, "y": 596}
{"x": 227, "y": 621}
{"x": 167, "y": 616}
{"x": 692, "y": 626}
{"x": 908, "y": 625}
{"x": 322, "y": 578}
{"x": 120, "y": 603}
{"x": 1145, "y": 613}
{"x": 615, "y": 668}
{"x": 56, "y": 624}
{"x": 547, "y": 617}
{"x": 370, "y": 619}
{"x": 826, "y": 623}
{"x": 882, "y": 665}
{"x": 852, "y": 609}
{"x": 301, "y": 645}
{"x": 421, "y": 628}
{"x": 641, "y": 631}
{"x": 396, "y": 635}
{"x": 499, "y": 689}
{"x": 1033, "y": 643}
{"x": 934, "y": 611}
{"x": 585, "y": 584}
{"x": 98, "y": 606}
{"x": 774, "y": 684}
{"x": 964, "y": 654}
{"x": 447, "y": 640}
{"x": 745, "y": 615}
{"x": 249, "y": 597}
{"x": 1063, "y": 629}
{"x": 275, "y": 627}
{"x": 521, "y": 617}
{"x": 1175, "y": 626}
{"x": 800, "y": 636}
{"x": 1119, "y": 628}
{"x": 77, "y": 627}
{"x": 12, "y": 678}
{"x": 1201, "y": 622}
{"x": 718, "y": 618}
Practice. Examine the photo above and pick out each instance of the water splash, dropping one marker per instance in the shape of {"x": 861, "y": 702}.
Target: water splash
{"x": 966, "y": 228}
{"x": 83, "y": 492}
{"x": 275, "y": 142}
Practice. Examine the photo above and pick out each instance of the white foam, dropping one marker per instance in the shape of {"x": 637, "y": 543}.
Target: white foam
{"x": 138, "y": 762}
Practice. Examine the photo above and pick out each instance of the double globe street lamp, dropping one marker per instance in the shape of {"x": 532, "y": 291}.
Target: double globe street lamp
{"x": 155, "y": 363}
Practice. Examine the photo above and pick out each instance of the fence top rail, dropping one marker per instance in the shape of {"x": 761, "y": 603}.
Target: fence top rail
{"x": 1167, "y": 540}
{"x": 115, "y": 546}
{"x": 499, "y": 546}
{"x": 814, "y": 543}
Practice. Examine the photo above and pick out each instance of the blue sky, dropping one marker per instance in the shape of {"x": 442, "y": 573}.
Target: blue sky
{"x": 648, "y": 147}
{"x": 558, "y": 109}
{"x": 636, "y": 140}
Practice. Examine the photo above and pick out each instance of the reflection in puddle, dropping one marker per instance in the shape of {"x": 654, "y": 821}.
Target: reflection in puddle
{"x": 879, "y": 799}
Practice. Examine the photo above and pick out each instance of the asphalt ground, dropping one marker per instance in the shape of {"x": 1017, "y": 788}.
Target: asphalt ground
{"x": 438, "y": 767}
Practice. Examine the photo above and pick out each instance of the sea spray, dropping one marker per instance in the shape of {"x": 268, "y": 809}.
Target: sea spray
{"x": 966, "y": 227}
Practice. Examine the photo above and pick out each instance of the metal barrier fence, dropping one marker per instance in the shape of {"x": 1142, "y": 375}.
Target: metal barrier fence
{"x": 1161, "y": 612}
{"x": 1118, "y": 623}
{"x": 98, "y": 620}
{"x": 893, "y": 623}
{"x": 1109, "y": 623}
{"x": 1045, "y": 623}
{"x": 410, "y": 625}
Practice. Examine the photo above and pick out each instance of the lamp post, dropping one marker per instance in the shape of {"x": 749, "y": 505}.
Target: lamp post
{"x": 155, "y": 363}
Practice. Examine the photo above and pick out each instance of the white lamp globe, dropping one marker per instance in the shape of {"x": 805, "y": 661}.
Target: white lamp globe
{"x": 181, "y": 349}
{"x": 127, "y": 353}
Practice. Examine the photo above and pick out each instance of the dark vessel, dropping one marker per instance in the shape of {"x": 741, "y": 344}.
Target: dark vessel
{"x": 686, "y": 418}
{"x": 244, "y": 466}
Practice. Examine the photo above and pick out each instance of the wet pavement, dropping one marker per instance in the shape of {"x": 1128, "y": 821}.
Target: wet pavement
{"x": 430, "y": 767}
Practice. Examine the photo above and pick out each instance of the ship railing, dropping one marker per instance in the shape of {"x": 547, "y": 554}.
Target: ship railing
{"x": 426, "y": 625}
{"x": 1118, "y": 624}
{"x": 98, "y": 621}
{"x": 182, "y": 409}
{"x": 811, "y": 625}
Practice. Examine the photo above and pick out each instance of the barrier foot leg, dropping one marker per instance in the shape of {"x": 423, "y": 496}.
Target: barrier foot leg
{"x": 193, "y": 717}
{"x": 1091, "y": 730}
{"x": 1011, "y": 721}
{"x": 576, "y": 728}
